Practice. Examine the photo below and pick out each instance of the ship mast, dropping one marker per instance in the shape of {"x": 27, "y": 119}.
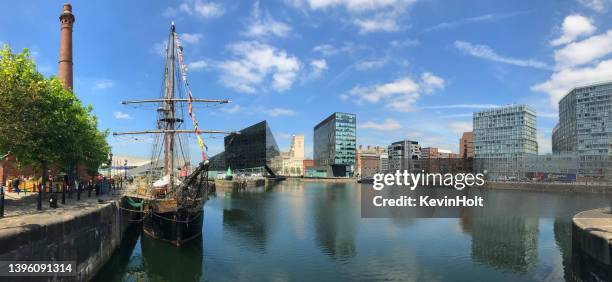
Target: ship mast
{"x": 170, "y": 114}
{"x": 169, "y": 120}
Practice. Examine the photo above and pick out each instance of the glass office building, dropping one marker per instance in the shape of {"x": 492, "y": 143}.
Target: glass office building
{"x": 585, "y": 127}
{"x": 335, "y": 144}
{"x": 252, "y": 150}
{"x": 502, "y": 138}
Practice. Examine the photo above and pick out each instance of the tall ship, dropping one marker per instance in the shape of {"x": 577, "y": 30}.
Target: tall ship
{"x": 171, "y": 192}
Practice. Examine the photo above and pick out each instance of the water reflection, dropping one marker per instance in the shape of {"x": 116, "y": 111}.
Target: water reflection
{"x": 335, "y": 221}
{"x": 245, "y": 217}
{"x": 563, "y": 238}
{"x": 313, "y": 231}
{"x": 508, "y": 243}
{"x": 121, "y": 261}
{"x": 165, "y": 262}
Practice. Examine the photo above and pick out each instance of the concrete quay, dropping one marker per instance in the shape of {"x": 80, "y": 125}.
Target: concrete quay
{"x": 552, "y": 187}
{"x": 592, "y": 232}
{"x": 86, "y": 232}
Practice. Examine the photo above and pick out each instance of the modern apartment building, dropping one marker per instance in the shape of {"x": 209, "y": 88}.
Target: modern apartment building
{"x": 402, "y": 155}
{"x": 502, "y": 137}
{"x": 585, "y": 127}
{"x": 505, "y": 132}
{"x": 335, "y": 144}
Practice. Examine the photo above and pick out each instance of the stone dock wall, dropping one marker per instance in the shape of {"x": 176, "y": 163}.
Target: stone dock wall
{"x": 592, "y": 234}
{"x": 87, "y": 235}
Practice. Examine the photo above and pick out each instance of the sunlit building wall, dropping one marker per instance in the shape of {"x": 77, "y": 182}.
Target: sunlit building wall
{"x": 502, "y": 137}
{"x": 585, "y": 127}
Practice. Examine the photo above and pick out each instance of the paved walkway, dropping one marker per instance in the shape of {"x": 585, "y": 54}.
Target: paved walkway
{"x": 18, "y": 205}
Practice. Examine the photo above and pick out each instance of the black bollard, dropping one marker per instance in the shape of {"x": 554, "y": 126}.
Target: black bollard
{"x": 39, "y": 204}
{"x": 53, "y": 200}
{"x": 63, "y": 195}
{"x": 1, "y": 201}
{"x": 89, "y": 191}
{"x": 79, "y": 191}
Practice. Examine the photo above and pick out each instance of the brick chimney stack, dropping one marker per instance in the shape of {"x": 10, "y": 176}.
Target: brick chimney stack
{"x": 65, "y": 62}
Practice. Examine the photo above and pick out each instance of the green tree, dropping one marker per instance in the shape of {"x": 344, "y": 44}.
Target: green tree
{"x": 41, "y": 123}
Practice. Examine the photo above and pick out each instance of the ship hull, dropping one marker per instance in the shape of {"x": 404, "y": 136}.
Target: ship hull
{"x": 175, "y": 227}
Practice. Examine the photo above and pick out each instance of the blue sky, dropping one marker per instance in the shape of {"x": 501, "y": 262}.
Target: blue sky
{"x": 412, "y": 69}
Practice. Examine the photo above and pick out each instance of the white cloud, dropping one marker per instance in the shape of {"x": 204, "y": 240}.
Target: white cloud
{"x": 463, "y": 106}
{"x": 354, "y": 6}
{"x": 121, "y": 115}
{"x": 485, "y": 52}
{"x": 573, "y": 27}
{"x": 472, "y": 20}
{"x": 459, "y": 127}
{"x": 563, "y": 80}
{"x": 387, "y": 125}
{"x": 325, "y": 49}
{"x": 431, "y": 82}
{"x": 367, "y": 15}
{"x": 330, "y": 50}
{"x": 577, "y": 64}
{"x": 454, "y": 116}
{"x": 103, "y": 84}
{"x": 378, "y": 23}
{"x": 197, "y": 65}
{"x": 202, "y": 9}
{"x": 190, "y": 38}
{"x": 276, "y": 112}
{"x": 317, "y": 67}
{"x": 595, "y": 5}
{"x": 585, "y": 51}
{"x": 371, "y": 64}
{"x": 253, "y": 63}
{"x": 231, "y": 110}
{"x": 405, "y": 43}
{"x": 399, "y": 95}
{"x": 263, "y": 26}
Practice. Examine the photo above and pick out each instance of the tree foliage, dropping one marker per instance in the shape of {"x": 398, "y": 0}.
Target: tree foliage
{"x": 43, "y": 124}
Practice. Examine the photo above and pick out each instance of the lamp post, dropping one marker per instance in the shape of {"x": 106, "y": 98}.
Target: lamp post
{"x": 110, "y": 172}
{"x": 110, "y": 165}
{"x": 124, "y": 172}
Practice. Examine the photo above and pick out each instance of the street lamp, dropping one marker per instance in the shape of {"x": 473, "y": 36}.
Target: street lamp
{"x": 124, "y": 171}
{"x": 110, "y": 165}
